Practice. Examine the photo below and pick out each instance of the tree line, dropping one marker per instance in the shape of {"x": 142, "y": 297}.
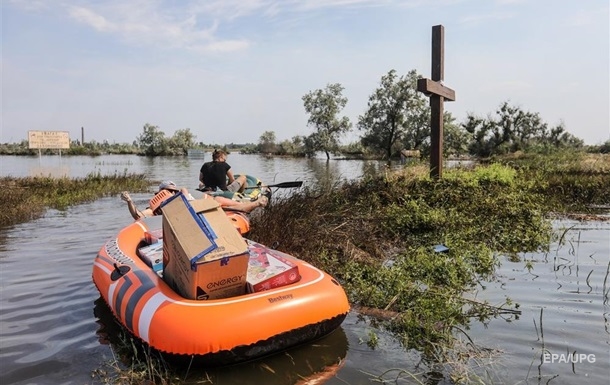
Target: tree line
{"x": 397, "y": 117}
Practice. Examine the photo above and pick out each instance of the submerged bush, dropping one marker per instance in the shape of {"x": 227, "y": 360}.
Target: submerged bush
{"x": 570, "y": 181}
{"x": 28, "y": 198}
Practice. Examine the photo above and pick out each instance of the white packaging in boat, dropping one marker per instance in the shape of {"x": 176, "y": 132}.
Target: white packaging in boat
{"x": 152, "y": 255}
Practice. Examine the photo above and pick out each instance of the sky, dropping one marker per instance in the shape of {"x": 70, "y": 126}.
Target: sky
{"x": 230, "y": 70}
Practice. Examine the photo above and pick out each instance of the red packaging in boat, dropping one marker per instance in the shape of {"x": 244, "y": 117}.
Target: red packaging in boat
{"x": 153, "y": 236}
{"x": 268, "y": 269}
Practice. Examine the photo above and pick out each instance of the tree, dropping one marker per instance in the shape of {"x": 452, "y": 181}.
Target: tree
{"x": 323, "y": 107}
{"x": 182, "y": 141}
{"x": 266, "y": 142}
{"x": 291, "y": 147}
{"x": 558, "y": 137}
{"x": 455, "y": 138}
{"x": 514, "y": 130}
{"x": 152, "y": 141}
{"x": 397, "y": 115}
{"x": 603, "y": 148}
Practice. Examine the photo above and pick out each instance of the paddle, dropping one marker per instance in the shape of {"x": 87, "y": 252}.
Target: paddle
{"x": 295, "y": 184}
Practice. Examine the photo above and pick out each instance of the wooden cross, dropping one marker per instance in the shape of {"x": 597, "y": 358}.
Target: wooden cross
{"x": 438, "y": 93}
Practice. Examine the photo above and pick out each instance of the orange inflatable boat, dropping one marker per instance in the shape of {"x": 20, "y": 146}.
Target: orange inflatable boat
{"x": 219, "y": 331}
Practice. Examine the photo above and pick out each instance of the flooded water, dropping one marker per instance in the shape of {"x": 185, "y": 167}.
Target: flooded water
{"x": 54, "y": 330}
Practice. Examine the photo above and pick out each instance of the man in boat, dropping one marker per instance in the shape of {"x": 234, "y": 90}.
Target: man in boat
{"x": 217, "y": 175}
{"x": 168, "y": 188}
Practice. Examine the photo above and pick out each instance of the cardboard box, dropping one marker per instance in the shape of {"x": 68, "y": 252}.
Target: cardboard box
{"x": 204, "y": 255}
{"x": 153, "y": 256}
{"x": 268, "y": 269}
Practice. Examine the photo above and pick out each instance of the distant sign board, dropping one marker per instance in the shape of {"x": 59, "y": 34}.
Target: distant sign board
{"x": 49, "y": 139}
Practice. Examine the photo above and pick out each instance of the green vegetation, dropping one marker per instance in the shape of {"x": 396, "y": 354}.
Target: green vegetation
{"x": 152, "y": 141}
{"x": 397, "y": 118}
{"x": 570, "y": 182}
{"x": 377, "y": 236}
{"x": 89, "y": 148}
{"x": 323, "y": 106}
{"x": 516, "y": 130}
{"x": 28, "y": 198}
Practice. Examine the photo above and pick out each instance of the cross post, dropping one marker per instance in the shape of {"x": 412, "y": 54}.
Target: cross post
{"x": 438, "y": 93}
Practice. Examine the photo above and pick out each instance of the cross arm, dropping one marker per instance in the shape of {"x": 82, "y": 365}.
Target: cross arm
{"x": 430, "y": 87}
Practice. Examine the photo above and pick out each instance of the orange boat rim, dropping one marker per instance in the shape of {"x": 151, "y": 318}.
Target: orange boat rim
{"x": 214, "y": 332}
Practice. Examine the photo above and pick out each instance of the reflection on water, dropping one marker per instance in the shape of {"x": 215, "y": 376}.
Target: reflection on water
{"x": 45, "y": 271}
{"x": 564, "y": 304}
{"x": 307, "y": 364}
{"x": 54, "y": 172}
{"x": 49, "y": 334}
{"x": 185, "y": 170}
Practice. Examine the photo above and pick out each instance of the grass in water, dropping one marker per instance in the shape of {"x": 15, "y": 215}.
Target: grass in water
{"x": 377, "y": 236}
{"x": 28, "y": 198}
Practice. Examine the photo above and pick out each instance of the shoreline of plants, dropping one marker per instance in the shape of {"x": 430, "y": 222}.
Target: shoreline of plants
{"x": 28, "y": 198}
{"x": 377, "y": 236}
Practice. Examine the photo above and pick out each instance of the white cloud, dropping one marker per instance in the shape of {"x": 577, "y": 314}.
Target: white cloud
{"x": 186, "y": 63}
{"x": 89, "y": 17}
{"x": 149, "y": 25}
{"x": 193, "y": 25}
